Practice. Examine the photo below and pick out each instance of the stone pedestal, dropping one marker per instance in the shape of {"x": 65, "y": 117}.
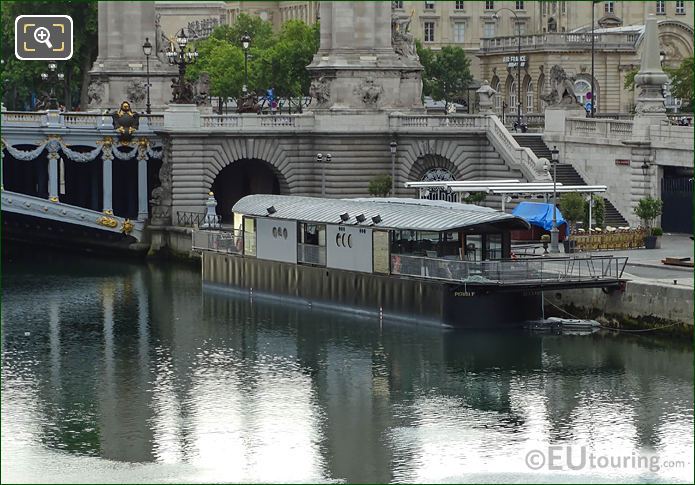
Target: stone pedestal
{"x": 556, "y": 116}
{"x": 182, "y": 116}
{"x": 119, "y": 72}
{"x": 356, "y": 67}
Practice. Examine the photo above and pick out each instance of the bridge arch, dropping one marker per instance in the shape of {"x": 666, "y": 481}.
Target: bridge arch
{"x": 244, "y": 167}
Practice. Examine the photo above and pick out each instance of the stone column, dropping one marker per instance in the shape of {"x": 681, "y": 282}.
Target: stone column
{"x": 107, "y": 180}
{"x": 143, "y": 213}
{"x": 53, "y": 177}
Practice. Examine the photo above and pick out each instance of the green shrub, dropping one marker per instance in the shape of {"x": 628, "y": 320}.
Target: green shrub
{"x": 475, "y": 198}
{"x": 598, "y": 211}
{"x": 380, "y": 186}
{"x": 648, "y": 209}
{"x": 572, "y": 207}
{"x": 657, "y": 231}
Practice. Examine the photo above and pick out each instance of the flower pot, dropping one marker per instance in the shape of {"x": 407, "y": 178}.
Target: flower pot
{"x": 652, "y": 242}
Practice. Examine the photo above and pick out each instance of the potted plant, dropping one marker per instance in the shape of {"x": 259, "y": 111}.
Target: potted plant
{"x": 648, "y": 209}
{"x": 380, "y": 186}
{"x": 572, "y": 208}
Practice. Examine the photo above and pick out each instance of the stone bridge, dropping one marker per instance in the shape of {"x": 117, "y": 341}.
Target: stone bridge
{"x": 175, "y": 161}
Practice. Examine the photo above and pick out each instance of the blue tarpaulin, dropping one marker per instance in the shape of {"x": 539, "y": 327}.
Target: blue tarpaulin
{"x": 539, "y": 214}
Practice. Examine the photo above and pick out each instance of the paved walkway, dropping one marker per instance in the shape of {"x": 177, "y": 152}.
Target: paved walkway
{"x": 646, "y": 263}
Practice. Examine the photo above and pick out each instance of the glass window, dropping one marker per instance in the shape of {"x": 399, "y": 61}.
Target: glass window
{"x": 680, "y": 7}
{"x": 521, "y": 28}
{"x": 512, "y": 95}
{"x": 314, "y": 234}
{"x": 429, "y": 31}
{"x": 529, "y": 97}
{"x": 489, "y": 30}
{"x": 581, "y": 89}
{"x": 429, "y": 5}
{"x": 493, "y": 246}
{"x": 459, "y": 32}
{"x": 474, "y": 247}
{"x": 249, "y": 236}
{"x": 489, "y": 5}
{"x": 660, "y": 7}
{"x": 459, "y": 5}
{"x": 519, "y": 5}
{"x": 398, "y": 4}
{"x": 563, "y": 6}
{"x": 608, "y": 7}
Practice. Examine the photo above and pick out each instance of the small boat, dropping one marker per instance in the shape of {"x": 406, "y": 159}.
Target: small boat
{"x": 564, "y": 323}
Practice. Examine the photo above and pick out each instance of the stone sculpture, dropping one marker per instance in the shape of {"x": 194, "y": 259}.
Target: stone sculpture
{"x": 320, "y": 90}
{"x": 402, "y": 40}
{"x": 201, "y": 90}
{"x": 136, "y": 91}
{"x": 95, "y": 92}
{"x": 369, "y": 92}
{"x": 125, "y": 121}
{"x": 561, "y": 89}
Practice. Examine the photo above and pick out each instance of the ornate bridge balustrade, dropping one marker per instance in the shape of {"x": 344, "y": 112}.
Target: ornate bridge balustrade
{"x": 78, "y": 159}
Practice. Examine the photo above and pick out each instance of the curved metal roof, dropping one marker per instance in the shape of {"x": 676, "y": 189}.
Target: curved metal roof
{"x": 395, "y": 213}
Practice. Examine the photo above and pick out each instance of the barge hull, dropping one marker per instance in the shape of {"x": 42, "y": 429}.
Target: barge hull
{"x": 424, "y": 301}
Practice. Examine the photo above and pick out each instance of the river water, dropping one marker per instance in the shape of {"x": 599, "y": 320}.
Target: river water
{"x": 124, "y": 372}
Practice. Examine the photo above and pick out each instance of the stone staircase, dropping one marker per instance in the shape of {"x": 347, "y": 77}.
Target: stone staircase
{"x": 567, "y": 175}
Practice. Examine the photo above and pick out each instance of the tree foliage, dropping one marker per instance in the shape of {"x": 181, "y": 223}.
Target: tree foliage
{"x": 446, "y": 74}
{"x": 21, "y": 79}
{"x": 681, "y": 81}
{"x": 275, "y": 61}
{"x": 380, "y": 186}
{"x": 572, "y": 207}
{"x": 598, "y": 211}
{"x": 648, "y": 209}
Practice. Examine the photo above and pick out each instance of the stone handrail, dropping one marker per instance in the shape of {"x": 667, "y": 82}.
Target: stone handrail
{"x": 399, "y": 121}
{"x": 35, "y": 206}
{"x": 77, "y": 119}
{"x": 254, "y": 122}
{"x": 513, "y": 153}
{"x": 605, "y": 128}
{"x": 559, "y": 40}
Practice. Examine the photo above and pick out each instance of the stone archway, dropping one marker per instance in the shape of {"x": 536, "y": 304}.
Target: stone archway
{"x": 241, "y": 178}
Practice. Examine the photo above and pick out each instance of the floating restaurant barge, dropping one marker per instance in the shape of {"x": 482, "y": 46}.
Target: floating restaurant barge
{"x": 420, "y": 260}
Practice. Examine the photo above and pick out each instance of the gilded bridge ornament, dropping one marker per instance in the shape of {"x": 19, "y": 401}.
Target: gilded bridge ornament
{"x": 125, "y": 122}
{"x": 108, "y": 222}
{"x": 127, "y": 227}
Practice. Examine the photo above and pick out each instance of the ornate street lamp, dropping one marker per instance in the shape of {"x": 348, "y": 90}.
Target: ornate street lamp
{"x": 245, "y": 44}
{"x": 554, "y": 233}
{"x": 393, "y": 146}
{"x": 147, "y": 50}
{"x": 320, "y": 159}
{"x": 518, "y": 63}
{"x": 52, "y": 77}
{"x": 183, "y": 92}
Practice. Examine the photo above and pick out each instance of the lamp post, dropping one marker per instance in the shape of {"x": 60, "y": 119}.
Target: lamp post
{"x": 320, "y": 159}
{"x": 182, "y": 58}
{"x": 52, "y": 76}
{"x": 518, "y": 63}
{"x": 593, "y": 100}
{"x": 147, "y": 50}
{"x": 554, "y": 233}
{"x": 393, "y": 146}
{"x": 245, "y": 44}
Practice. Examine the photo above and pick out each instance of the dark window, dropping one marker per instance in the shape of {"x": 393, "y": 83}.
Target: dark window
{"x": 429, "y": 31}
{"x": 429, "y": 5}
{"x": 519, "y": 5}
{"x": 489, "y": 5}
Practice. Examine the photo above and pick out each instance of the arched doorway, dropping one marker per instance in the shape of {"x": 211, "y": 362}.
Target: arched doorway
{"x": 239, "y": 179}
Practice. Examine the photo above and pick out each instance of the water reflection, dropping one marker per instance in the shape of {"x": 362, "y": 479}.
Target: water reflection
{"x": 137, "y": 364}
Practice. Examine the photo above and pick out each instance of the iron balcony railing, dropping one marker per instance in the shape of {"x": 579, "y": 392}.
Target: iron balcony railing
{"x": 193, "y": 219}
{"x": 536, "y": 271}
{"x": 219, "y": 241}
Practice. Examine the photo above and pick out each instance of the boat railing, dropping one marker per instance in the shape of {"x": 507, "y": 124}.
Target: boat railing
{"x": 218, "y": 241}
{"x": 521, "y": 271}
{"x": 311, "y": 254}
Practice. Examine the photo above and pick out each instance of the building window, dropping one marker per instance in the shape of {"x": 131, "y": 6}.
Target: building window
{"x": 520, "y": 28}
{"x": 398, "y": 4}
{"x": 581, "y": 89}
{"x": 608, "y": 7}
{"x": 680, "y": 7}
{"x": 554, "y": 5}
{"x": 519, "y": 5}
{"x": 529, "y": 97}
{"x": 429, "y": 5}
{"x": 459, "y": 32}
{"x": 563, "y": 6}
{"x": 512, "y": 96}
{"x": 459, "y": 5}
{"x": 489, "y": 30}
{"x": 429, "y": 31}
{"x": 496, "y": 98}
{"x": 545, "y": 8}
{"x": 489, "y": 5}
{"x": 660, "y": 7}
{"x": 552, "y": 25}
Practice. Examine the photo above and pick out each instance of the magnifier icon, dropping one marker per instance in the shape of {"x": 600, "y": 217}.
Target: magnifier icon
{"x": 43, "y": 36}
